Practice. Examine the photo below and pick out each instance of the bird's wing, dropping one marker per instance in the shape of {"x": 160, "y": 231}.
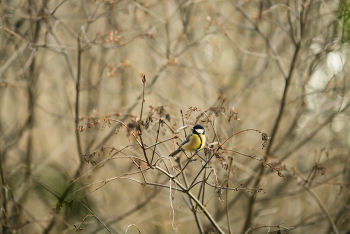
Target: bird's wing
{"x": 186, "y": 140}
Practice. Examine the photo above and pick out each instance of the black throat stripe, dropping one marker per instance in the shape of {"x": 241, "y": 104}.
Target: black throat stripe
{"x": 200, "y": 138}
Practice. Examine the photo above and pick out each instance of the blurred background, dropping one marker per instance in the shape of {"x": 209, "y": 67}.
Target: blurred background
{"x": 71, "y": 94}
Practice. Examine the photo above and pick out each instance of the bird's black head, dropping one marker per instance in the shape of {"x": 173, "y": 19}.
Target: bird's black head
{"x": 198, "y": 129}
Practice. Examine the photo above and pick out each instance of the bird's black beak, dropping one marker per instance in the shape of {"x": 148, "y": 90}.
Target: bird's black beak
{"x": 191, "y": 128}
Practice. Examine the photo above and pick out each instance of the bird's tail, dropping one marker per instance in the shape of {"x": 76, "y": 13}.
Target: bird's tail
{"x": 175, "y": 152}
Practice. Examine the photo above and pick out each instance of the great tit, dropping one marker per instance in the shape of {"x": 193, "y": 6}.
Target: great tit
{"x": 193, "y": 142}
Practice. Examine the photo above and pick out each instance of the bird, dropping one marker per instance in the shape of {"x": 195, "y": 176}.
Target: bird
{"x": 194, "y": 141}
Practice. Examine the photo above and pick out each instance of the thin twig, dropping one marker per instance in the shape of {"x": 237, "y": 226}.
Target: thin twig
{"x": 205, "y": 211}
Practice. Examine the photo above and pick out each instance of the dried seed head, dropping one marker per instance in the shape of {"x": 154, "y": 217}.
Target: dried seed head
{"x": 265, "y": 139}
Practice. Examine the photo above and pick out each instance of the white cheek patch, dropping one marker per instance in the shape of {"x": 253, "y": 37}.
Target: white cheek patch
{"x": 200, "y": 131}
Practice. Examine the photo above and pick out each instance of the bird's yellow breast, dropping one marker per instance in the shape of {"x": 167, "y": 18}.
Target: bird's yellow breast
{"x": 196, "y": 142}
